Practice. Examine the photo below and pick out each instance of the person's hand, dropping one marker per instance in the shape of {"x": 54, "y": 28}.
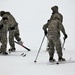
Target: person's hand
{"x": 20, "y": 42}
{"x": 45, "y": 32}
{"x": 65, "y": 36}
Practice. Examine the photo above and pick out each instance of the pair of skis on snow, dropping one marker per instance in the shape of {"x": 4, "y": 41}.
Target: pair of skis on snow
{"x": 61, "y": 62}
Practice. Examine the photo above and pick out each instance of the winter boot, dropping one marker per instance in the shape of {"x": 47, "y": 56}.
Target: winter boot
{"x": 61, "y": 59}
{"x": 5, "y": 53}
{"x": 51, "y": 60}
{"x": 12, "y": 49}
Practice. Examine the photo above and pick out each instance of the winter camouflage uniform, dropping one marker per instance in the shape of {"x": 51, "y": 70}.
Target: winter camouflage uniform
{"x": 60, "y": 17}
{"x": 3, "y": 35}
{"x": 54, "y": 27}
{"x": 13, "y": 30}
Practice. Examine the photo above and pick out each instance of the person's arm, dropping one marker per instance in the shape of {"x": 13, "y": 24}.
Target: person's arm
{"x": 45, "y": 28}
{"x": 61, "y": 27}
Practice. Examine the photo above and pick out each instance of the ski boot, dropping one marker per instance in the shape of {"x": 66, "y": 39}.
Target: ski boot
{"x": 12, "y": 50}
{"x": 4, "y": 53}
{"x": 61, "y": 59}
{"x": 51, "y": 60}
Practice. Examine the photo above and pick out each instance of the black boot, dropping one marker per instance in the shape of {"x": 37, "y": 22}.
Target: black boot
{"x": 12, "y": 49}
{"x": 61, "y": 59}
{"x": 5, "y": 53}
{"x": 51, "y": 60}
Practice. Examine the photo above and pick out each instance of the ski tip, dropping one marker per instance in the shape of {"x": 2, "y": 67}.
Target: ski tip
{"x": 24, "y": 55}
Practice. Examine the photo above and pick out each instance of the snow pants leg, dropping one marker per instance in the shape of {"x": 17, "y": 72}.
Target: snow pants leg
{"x": 51, "y": 48}
{"x": 57, "y": 44}
{"x": 11, "y": 39}
{"x": 4, "y": 42}
{"x": 54, "y": 43}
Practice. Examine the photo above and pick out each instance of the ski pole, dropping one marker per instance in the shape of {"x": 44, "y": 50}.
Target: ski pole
{"x": 63, "y": 44}
{"x": 39, "y": 49}
{"x": 23, "y": 46}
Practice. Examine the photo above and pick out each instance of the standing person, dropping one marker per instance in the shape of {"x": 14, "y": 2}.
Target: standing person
{"x": 53, "y": 34}
{"x": 13, "y": 31}
{"x": 59, "y": 15}
{"x": 3, "y": 35}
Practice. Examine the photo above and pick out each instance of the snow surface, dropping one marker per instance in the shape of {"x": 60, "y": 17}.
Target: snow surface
{"x": 15, "y": 64}
{"x": 31, "y": 16}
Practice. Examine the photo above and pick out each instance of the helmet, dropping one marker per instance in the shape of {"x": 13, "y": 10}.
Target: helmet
{"x": 2, "y": 13}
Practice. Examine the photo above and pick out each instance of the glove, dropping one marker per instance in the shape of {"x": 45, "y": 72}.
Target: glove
{"x": 45, "y": 32}
{"x": 65, "y": 36}
{"x": 1, "y": 26}
{"x": 20, "y": 42}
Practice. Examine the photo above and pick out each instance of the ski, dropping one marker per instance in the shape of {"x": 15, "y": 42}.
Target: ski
{"x": 9, "y": 54}
{"x": 62, "y": 62}
{"x": 66, "y": 62}
{"x": 52, "y": 63}
{"x": 23, "y": 55}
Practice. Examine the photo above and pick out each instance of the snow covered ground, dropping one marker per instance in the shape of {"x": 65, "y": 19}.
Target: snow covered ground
{"x": 31, "y": 15}
{"x": 14, "y": 64}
